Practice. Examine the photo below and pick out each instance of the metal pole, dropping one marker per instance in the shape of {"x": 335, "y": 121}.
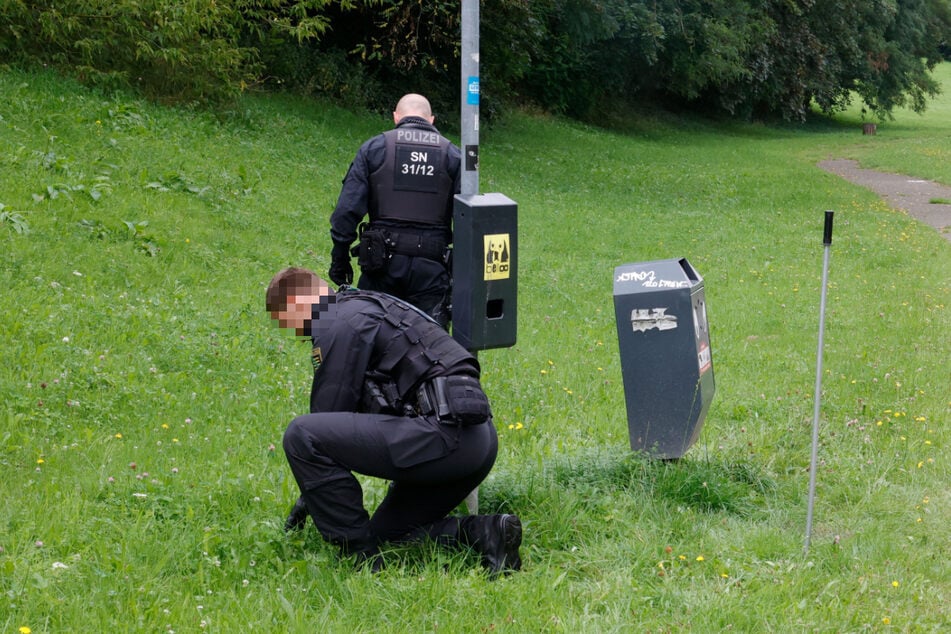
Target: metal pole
{"x": 469, "y": 111}
{"x": 469, "y": 181}
{"x": 827, "y": 242}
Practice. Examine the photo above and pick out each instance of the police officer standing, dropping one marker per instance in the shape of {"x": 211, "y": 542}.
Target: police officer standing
{"x": 405, "y": 180}
{"x": 394, "y": 397}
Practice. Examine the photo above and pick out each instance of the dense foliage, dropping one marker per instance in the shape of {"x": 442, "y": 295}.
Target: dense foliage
{"x": 180, "y": 50}
{"x": 743, "y": 57}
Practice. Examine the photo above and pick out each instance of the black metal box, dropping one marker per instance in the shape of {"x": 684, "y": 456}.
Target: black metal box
{"x": 484, "y": 271}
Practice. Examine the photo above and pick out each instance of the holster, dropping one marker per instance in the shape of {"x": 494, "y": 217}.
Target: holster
{"x": 373, "y": 250}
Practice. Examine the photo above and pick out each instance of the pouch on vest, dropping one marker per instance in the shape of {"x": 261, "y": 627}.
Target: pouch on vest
{"x": 372, "y": 400}
{"x": 468, "y": 404}
{"x": 372, "y": 251}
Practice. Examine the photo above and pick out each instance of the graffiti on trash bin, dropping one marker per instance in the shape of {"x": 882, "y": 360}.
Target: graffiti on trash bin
{"x": 648, "y": 279}
{"x": 644, "y": 319}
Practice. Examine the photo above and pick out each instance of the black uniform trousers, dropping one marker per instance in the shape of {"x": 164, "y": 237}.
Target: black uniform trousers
{"x": 433, "y": 467}
{"x": 422, "y": 282}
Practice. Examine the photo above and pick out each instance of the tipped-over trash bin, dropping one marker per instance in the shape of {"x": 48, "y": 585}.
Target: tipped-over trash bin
{"x": 666, "y": 362}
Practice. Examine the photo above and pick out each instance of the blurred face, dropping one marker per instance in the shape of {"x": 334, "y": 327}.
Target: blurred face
{"x": 300, "y": 306}
{"x": 297, "y": 313}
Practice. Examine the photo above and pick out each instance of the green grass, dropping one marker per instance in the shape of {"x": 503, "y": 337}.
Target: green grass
{"x": 145, "y": 393}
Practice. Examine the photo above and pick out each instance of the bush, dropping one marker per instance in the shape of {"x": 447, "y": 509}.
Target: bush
{"x": 169, "y": 49}
{"x": 172, "y": 50}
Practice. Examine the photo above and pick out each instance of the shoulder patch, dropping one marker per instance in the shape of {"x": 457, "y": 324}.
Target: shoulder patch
{"x": 316, "y": 358}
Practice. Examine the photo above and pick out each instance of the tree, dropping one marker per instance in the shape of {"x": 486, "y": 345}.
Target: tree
{"x": 742, "y": 57}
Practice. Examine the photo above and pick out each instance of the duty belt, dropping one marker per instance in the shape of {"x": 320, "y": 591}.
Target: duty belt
{"x": 416, "y": 245}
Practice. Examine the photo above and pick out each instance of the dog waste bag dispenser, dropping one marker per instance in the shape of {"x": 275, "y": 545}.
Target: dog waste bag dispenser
{"x": 484, "y": 271}
{"x": 666, "y": 362}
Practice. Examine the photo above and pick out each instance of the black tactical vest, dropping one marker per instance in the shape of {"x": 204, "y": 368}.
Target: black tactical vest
{"x": 411, "y": 346}
{"x": 413, "y": 184}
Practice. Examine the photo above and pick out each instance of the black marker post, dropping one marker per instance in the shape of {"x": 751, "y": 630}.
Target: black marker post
{"x": 827, "y": 243}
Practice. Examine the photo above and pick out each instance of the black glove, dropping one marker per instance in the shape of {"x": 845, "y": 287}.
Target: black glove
{"x": 298, "y": 516}
{"x": 341, "y": 271}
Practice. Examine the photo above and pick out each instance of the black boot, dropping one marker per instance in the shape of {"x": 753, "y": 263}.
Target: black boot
{"x": 371, "y": 559}
{"x": 297, "y": 518}
{"x": 495, "y": 537}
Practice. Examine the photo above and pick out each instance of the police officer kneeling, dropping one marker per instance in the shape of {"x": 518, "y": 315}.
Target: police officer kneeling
{"x": 394, "y": 397}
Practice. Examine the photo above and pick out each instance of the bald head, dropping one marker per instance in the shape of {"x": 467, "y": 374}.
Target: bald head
{"x": 413, "y": 105}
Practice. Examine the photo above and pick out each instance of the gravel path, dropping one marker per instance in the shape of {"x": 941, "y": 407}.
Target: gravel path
{"x": 911, "y": 195}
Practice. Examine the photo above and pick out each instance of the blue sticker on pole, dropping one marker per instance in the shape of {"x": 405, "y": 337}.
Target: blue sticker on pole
{"x": 472, "y": 91}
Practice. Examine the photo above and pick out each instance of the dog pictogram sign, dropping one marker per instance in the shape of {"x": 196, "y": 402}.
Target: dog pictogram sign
{"x": 498, "y": 256}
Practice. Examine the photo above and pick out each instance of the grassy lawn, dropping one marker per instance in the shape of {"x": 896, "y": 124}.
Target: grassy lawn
{"x": 145, "y": 392}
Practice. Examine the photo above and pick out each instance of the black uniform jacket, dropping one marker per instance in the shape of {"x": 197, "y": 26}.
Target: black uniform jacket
{"x": 369, "y": 334}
